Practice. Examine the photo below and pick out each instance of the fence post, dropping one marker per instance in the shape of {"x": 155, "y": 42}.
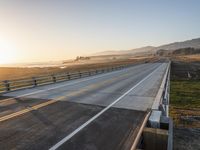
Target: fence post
{"x": 7, "y": 85}
{"x": 54, "y": 78}
{"x": 34, "y": 81}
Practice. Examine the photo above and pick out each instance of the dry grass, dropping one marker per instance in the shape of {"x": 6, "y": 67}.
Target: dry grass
{"x": 185, "y": 117}
{"x": 188, "y": 58}
{"x": 185, "y": 103}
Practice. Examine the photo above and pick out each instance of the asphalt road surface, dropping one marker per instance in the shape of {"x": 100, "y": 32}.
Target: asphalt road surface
{"x": 101, "y": 112}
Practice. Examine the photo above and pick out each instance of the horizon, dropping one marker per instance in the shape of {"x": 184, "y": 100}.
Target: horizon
{"x": 35, "y": 31}
{"x": 61, "y": 60}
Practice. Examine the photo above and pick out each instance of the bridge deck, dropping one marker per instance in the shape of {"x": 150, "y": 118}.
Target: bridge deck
{"x": 41, "y": 117}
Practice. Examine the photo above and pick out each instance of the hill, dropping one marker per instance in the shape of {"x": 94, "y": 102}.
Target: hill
{"x": 181, "y": 51}
{"x": 194, "y": 43}
{"x": 125, "y": 52}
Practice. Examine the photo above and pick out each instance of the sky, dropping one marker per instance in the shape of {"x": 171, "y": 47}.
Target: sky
{"x": 49, "y": 30}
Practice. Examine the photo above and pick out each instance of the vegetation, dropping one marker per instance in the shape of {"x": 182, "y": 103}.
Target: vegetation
{"x": 185, "y": 95}
{"x": 178, "y": 52}
{"x": 185, "y": 103}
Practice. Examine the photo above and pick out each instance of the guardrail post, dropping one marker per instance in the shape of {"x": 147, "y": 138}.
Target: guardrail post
{"x": 54, "y": 78}
{"x": 7, "y": 85}
{"x": 34, "y": 81}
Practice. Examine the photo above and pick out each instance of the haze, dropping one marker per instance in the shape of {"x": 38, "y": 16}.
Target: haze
{"x": 32, "y": 31}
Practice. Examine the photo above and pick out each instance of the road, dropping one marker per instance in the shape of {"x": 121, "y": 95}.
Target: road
{"x": 101, "y": 112}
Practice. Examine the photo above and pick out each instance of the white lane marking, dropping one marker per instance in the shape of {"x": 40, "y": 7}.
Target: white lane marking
{"x": 56, "y": 87}
{"x": 57, "y": 145}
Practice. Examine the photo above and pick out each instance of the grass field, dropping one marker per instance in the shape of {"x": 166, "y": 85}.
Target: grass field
{"x": 188, "y": 58}
{"x": 185, "y": 111}
{"x": 185, "y": 94}
{"x": 185, "y": 103}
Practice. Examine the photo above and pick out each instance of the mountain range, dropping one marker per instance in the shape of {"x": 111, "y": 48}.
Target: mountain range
{"x": 194, "y": 43}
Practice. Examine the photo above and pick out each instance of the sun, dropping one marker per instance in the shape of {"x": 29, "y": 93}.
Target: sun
{"x": 7, "y": 52}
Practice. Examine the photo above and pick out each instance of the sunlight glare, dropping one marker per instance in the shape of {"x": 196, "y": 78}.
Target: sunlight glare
{"x": 7, "y": 52}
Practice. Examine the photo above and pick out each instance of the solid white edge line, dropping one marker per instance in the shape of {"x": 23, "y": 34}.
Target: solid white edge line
{"x": 57, "y": 145}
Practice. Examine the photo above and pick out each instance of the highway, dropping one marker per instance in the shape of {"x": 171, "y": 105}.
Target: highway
{"x": 101, "y": 112}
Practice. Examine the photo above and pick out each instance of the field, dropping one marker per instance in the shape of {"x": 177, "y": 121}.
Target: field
{"x": 188, "y": 58}
{"x": 185, "y": 102}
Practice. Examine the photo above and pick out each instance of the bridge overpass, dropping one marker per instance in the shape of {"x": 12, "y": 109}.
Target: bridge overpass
{"x": 116, "y": 110}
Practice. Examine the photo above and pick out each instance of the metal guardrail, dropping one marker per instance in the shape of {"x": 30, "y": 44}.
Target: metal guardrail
{"x": 11, "y": 85}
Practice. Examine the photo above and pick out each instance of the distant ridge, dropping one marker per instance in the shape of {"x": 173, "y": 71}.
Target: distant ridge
{"x": 181, "y": 51}
{"x": 126, "y": 52}
{"x": 194, "y": 43}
